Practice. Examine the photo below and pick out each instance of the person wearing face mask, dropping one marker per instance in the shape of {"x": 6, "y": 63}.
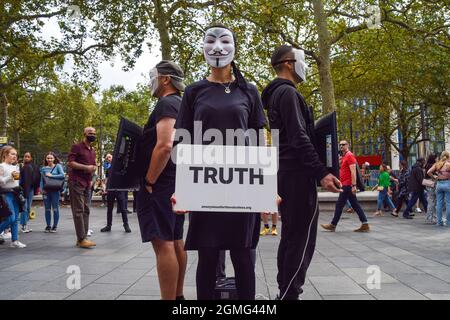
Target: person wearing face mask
{"x": 82, "y": 165}
{"x": 158, "y": 223}
{"x": 222, "y": 101}
{"x": 299, "y": 168}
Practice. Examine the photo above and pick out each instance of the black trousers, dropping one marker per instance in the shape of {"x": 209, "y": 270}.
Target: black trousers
{"x": 111, "y": 198}
{"x": 244, "y": 271}
{"x": 220, "y": 269}
{"x": 299, "y": 200}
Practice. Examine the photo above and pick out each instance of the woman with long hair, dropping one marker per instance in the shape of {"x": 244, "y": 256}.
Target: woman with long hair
{"x": 440, "y": 171}
{"x": 52, "y": 169}
{"x": 9, "y": 181}
{"x": 222, "y": 101}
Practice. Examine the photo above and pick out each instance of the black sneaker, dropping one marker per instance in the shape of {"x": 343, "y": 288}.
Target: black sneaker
{"x": 407, "y": 217}
{"x": 127, "y": 228}
{"x": 2, "y": 241}
{"x": 179, "y": 298}
{"x": 53, "y": 230}
{"x": 48, "y": 229}
{"x": 106, "y": 229}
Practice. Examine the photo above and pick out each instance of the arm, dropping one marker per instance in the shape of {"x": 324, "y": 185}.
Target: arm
{"x": 431, "y": 171}
{"x": 163, "y": 148}
{"x": 292, "y": 119}
{"x": 59, "y": 172}
{"x": 71, "y": 161}
{"x": 41, "y": 184}
{"x": 4, "y": 180}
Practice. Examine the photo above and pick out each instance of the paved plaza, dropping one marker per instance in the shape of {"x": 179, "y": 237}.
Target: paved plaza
{"x": 413, "y": 257}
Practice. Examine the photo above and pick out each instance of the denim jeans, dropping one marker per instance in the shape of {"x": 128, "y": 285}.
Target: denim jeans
{"x": 12, "y": 220}
{"x": 25, "y": 215}
{"x": 347, "y": 194}
{"x": 383, "y": 196}
{"x": 51, "y": 200}
{"x": 414, "y": 197}
{"x": 443, "y": 191}
{"x": 431, "y": 198}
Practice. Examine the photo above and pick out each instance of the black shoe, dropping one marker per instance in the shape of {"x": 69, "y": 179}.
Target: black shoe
{"x": 106, "y": 229}
{"x": 2, "y": 241}
{"x": 127, "y": 228}
{"x": 48, "y": 229}
{"x": 179, "y": 298}
{"x": 129, "y": 212}
{"x": 53, "y": 230}
{"x": 407, "y": 217}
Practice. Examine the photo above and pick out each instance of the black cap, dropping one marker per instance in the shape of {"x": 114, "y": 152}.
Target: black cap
{"x": 170, "y": 68}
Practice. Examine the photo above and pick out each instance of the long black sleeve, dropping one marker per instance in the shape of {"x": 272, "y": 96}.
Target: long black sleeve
{"x": 299, "y": 141}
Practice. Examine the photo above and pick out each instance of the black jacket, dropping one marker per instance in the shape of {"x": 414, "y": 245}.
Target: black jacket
{"x": 30, "y": 177}
{"x": 416, "y": 178}
{"x": 289, "y": 113}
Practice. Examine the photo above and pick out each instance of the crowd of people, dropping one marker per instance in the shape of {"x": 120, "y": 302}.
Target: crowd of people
{"x": 223, "y": 100}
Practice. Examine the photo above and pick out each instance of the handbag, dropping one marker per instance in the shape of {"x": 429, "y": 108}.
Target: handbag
{"x": 428, "y": 183}
{"x": 52, "y": 184}
{"x": 4, "y": 209}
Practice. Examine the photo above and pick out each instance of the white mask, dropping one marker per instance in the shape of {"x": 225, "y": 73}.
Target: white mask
{"x": 153, "y": 80}
{"x": 218, "y": 47}
{"x": 300, "y": 64}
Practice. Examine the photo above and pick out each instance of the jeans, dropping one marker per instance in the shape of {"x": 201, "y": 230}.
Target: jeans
{"x": 347, "y": 194}
{"x": 443, "y": 191}
{"x": 383, "y": 196}
{"x": 12, "y": 220}
{"x": 431, "y": 198}
{"x": 25, "y": 215}
{"x": 51, "y": 200}
{"x": 414, "y": 196}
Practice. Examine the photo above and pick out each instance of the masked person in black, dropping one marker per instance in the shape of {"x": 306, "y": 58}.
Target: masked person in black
{"x": 224, "y": 100}
{"x": 299, "y": 168}
{"x": 157, "y": 221}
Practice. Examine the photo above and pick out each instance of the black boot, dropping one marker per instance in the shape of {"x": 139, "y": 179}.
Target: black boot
{"x": 106, "y": 229}
{"x": 126, "y": 227}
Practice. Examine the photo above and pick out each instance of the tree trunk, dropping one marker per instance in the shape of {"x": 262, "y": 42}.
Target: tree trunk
{"x": 323, "y": 63}
{"x": 4, "y": 115}
{"x": 161, "y": 22}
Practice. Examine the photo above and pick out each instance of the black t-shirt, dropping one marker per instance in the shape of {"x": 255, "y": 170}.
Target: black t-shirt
{"x": 167, "y": 106}
{"x": 207, "y": 102}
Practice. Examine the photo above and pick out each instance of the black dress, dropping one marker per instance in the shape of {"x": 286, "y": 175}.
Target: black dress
{"x": 154, "y": 210}
{"x": 209, "y": 103}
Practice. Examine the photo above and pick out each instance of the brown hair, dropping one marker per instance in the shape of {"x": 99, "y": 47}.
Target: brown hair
{"x": 5, "y": 151}
{"x": 54, "y": 156}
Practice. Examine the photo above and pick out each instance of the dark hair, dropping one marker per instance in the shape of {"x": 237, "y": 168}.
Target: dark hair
{"x": 279, "y": 56}
{"x": 404, "y": 164}
{"x": 384, "y": 166}
{"x": 431, "y": 160}
{"x": 54, "y": 155}
{"x": 241, "y": 82}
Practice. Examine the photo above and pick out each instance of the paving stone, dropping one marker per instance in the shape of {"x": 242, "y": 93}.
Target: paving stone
{"x": 336, "y": 285}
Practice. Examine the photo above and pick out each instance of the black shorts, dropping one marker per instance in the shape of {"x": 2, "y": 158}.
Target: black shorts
{"x": 156, "y": 217}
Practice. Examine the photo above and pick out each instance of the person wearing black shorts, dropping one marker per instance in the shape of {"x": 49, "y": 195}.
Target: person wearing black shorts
{"x": 158, "y": 223}
{"x": 224, "y": 100}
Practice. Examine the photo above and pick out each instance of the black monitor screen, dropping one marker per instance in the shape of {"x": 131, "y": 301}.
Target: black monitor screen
{"x": 327, "y": 143}
{"x": 124, "y": 174}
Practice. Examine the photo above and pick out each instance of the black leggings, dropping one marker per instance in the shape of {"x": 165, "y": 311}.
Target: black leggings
{"x": 243, "y": 269}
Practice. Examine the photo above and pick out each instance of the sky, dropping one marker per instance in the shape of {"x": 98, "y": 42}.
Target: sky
{"x": 111, "y": 72}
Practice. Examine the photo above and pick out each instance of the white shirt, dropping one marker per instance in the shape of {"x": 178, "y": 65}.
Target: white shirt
{"x": 6, "y": 179}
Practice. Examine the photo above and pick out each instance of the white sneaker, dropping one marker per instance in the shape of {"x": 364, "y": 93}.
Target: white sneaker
{"x": 25, "y": 229}
{"x": 418, "y": 210}
{"x": 90, "y": 232}
{"x": 6, "y": 236}
{"x": 18, "y": 244}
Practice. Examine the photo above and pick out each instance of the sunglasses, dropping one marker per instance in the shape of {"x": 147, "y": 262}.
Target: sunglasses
{"x": 342, "y": 144}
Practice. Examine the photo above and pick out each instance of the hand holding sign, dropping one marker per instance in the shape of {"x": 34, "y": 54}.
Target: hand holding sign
{"x": 173, "y": 199}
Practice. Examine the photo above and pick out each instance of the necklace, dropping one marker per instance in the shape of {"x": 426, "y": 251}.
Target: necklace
{"x": 227, "y": 87}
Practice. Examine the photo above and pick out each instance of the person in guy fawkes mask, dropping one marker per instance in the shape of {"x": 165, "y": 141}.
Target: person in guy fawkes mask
{"x": 224, "y": 100}
{"x": 299, "y": 168}
{"x": 158, "y": 223}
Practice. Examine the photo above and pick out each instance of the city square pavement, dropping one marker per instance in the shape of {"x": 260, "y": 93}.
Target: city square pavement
{"x": 412, "y": 256}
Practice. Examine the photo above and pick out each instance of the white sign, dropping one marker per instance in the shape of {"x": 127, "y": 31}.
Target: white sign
{"x": 226, "y": 178}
